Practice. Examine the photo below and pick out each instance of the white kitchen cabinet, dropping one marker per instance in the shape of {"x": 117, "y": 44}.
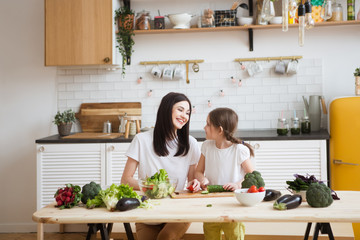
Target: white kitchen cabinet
{"x": 278, "y": 161}
{"x": 115, "y": 162}
{"x": 59, "y": 164}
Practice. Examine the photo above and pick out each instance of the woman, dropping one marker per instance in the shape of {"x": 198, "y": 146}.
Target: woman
{"x": 168, "y": 147}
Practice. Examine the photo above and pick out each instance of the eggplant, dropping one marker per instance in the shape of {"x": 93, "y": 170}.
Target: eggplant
{"x": 271, "y": 194}
{"x": 125, "y": 204}
{"x": 288, "y": 202}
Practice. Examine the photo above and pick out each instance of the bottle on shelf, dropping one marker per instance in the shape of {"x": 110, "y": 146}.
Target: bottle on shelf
{"x": 282, "y": 127}
{"x": 350, "y": 9}
{"x": 305, "y": 125}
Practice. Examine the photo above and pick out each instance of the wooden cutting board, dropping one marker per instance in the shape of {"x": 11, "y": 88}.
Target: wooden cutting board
{"x": 94, "y": 136}
{"x": 187, "y": 194}
{"x": 93, "y": 115}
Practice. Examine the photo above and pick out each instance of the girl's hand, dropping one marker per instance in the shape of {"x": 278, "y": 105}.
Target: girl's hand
{"x": 194, "y": 186}
{"x": 230, "y": 186}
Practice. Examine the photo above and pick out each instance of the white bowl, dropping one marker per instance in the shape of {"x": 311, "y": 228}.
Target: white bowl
{"x": 249, "y": 199}
{"x": 180, "y": 20}
{"x": 245, "y": 21}
{"x": 276, "y": 20}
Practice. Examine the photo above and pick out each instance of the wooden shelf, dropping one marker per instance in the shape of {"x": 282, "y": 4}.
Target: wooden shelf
{"x": 241, "y": 28}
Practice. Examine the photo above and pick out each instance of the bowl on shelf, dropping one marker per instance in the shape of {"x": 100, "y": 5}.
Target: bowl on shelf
{"x": 249, "y": 199}
{"x": 276, "y": 20}
{"x": 159, "y": 189}
{"x": 180, "y": 20}
{"x": 245, "y": 21}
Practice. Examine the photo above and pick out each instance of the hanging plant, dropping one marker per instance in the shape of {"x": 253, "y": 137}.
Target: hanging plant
{"x": 124, "y": 18}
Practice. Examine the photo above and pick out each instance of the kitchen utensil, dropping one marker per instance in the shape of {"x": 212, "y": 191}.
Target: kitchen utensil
{"x": 245, "y": 21}
{"x": 107, "y": 127}
{"x": 187, "y": 194}
{"x": 180, "y": 20}
{"x": 179, "y": 73}
{"x": 306, "y": 105}
{"x": 280, "y": 67}
{"x": 93, "y": 115}
{"x": 168, "y": 73}
{"x": 156, "y": 72}
{"x": 122, "y": 123}
{"x": 292, "y": 67}
{"x": 94, "y": 136}
{"x": 196, "y": 67}
{"x": 315, "y": 112}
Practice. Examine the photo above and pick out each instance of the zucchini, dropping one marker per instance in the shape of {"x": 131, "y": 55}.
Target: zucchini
{"x": 216, "y": 188}
{"x": 271, "y": 195}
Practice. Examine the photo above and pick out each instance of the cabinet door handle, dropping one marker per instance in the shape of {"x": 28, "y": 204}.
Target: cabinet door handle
{"x": 107, "y": 59}
{"x": 336, "y": 161}
{"x": 111, "y": 148}
{"x": 41, "y": 149}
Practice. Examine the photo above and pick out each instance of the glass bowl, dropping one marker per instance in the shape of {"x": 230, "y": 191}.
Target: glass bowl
{"x": 157, "y": 190}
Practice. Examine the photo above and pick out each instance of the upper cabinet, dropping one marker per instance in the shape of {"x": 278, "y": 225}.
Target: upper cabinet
{"x": 79, "y": 32}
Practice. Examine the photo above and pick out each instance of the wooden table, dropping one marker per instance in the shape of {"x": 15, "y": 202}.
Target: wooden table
{"x": 223, "y": 209}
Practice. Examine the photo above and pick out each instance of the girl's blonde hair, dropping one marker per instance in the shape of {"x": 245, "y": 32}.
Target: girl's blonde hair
{"x": 228, "y": 120}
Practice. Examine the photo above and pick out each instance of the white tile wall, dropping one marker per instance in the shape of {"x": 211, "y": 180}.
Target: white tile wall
{"x": 259, "y": 101}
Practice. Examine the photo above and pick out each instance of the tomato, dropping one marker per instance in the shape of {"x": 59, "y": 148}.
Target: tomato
{"x": 190, "y": 188}
{"x": 252, "y": 189}
{"x": 261, "y": 189}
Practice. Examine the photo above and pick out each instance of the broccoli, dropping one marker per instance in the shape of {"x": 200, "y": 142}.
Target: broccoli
{"x": 89, "y": 191}
{"x": 253, "y": 178}
{"x": 319, "y": 195}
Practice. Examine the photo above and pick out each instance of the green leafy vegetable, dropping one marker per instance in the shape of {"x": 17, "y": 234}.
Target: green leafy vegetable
{"x": 253, "y": 178}
{"x": 159, "y": 185}
{"x": 110, "y": 196}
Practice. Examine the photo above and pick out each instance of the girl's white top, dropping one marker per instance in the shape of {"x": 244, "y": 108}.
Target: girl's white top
{"x": 224, "y": 165}
{"x": 141, "y": 149}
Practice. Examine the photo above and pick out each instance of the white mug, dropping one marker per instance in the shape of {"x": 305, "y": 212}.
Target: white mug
{"x": 168, "y": 73}
{"x": 254, "y": 68}
{"x": 280, "y": 67}
{"x": 179, "y": 73}
{"x": 156, "y": 72}
{"x": 292, "y": 67}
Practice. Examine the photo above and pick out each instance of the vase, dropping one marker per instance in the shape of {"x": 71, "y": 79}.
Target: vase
{"x": 64, "y": 129}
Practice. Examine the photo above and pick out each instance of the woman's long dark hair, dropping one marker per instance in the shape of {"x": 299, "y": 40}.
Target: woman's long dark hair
{"x": 164, "y": 127}
{"x": 228, "y": 120}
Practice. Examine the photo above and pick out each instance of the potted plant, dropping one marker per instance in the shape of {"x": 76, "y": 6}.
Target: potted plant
{"x": 124, "y": 17}
{"x": 64, "y": 121}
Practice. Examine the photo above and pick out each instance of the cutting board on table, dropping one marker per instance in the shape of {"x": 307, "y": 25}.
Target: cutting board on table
{"x": 94, "y": 136}
{"x": 93, "y": 115}
{"x": 187, "y": 194}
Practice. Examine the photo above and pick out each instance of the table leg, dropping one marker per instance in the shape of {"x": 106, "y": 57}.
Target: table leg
{"x": 316, "y": 231}
{"x": 40, "y": 231}
{"x": 128, "y": 230}
{"x": 324, "y": 228}
{"x": 307, "y": 232}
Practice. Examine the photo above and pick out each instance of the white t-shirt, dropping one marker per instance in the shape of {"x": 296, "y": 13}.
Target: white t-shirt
{"x": 141, "y": 149}
{"x": 224, "y": 165}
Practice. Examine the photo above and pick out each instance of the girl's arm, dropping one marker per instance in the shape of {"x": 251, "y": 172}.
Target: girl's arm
{"x": 128, "y": 174}
{"x": 199, "y": 172}
{"x": 248, "y": 167}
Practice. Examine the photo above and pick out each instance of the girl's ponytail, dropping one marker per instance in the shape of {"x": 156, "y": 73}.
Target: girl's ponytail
{"x": 235, "y": 140}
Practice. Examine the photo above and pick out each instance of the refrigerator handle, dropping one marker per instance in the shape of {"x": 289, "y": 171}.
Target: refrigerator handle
{"x": 336, "y": 161}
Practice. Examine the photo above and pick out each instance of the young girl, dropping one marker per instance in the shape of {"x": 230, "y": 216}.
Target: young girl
{"x": 224, "y": 160}
{"x": 169, "y": 146}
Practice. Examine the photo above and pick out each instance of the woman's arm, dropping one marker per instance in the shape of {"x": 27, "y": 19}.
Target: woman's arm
{"x": 128, "y": 174}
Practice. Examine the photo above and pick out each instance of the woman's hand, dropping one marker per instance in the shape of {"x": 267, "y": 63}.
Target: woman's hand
{"x": 231, "y": 186}
{"x": 194, "y": 186}
{"x": 204, "y": 183}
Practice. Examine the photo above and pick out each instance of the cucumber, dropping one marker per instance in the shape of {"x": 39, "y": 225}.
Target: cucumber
{"x": 216, "y": 188}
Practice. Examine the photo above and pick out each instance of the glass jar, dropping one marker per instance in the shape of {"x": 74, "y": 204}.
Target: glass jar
{"x": 337, "y": 12}
{"x": 305, "y": 125}
{"x": 143, "y": 20}
{"x": 295, "y": 126}
{"x": 282, "y": 127}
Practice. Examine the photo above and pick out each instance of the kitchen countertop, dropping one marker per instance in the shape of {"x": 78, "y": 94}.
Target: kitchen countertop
{"x": 247, "y": 135}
